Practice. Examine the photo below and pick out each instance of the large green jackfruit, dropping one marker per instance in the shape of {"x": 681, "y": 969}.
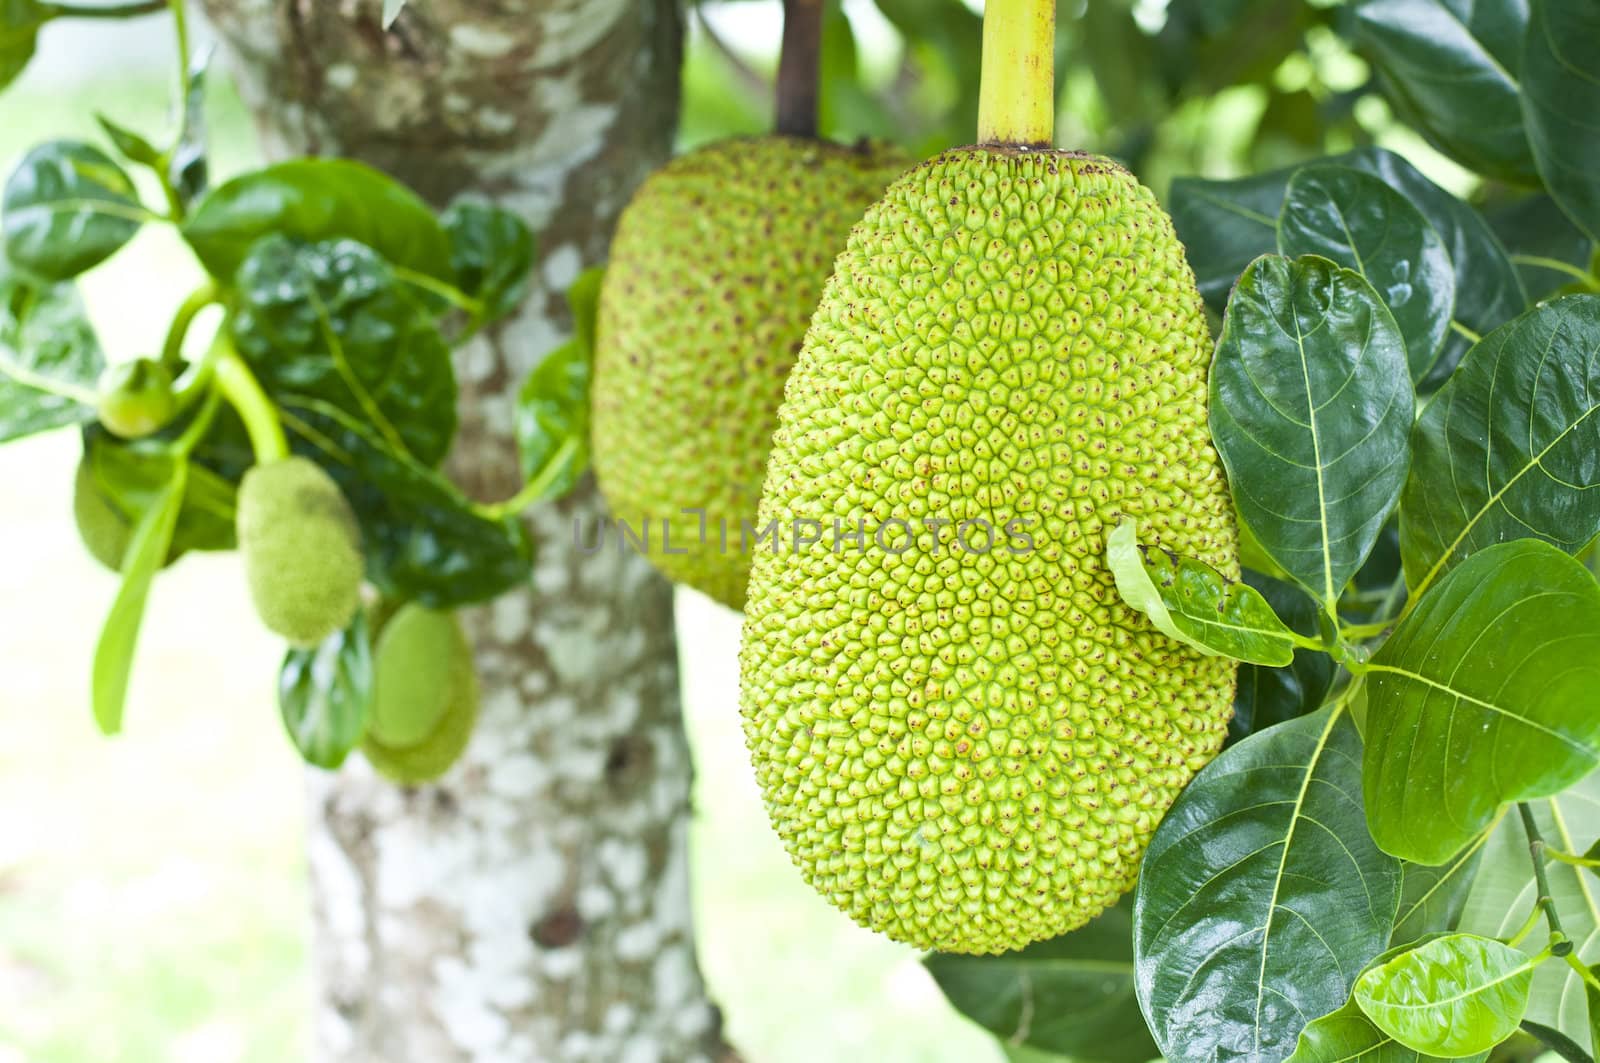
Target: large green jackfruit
{"x": 301, "y": 549}
{"x": 716, "y": 267}
{"x": 964, "y": 741}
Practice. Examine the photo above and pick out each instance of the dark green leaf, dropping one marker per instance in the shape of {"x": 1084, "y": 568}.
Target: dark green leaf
{"x": 1453, "y": 996}
{"x": 1483, "y": 695}
{"x": 50, "y": 359}
{"x": 1432, "y": 898}
{"x": 1503, "y": 894}
{"x": 318, "y": 199}
{"x": 1311, "y": 404}
{"x": 147, "y": 552}
{"x": 1358, "y": 221}
{"x": 130, "y": 480}
{"x": 1261, "y": 895}
{"x": 130, "y": 145}
{"x": 1556, "y": 1041}
{"x": 68, "y": 207}
{"x": 1347, "y": 1035}
{"x": 19, "y": 35}
{"x": 1226, "y": 225}
{"x": 330, "y": 320}
{"x": 1267, "y": 696}
{"x": 1190, "y": 601}
{"x": 188, "y": 171}
{"x": 553, "y": 406}
{"x": 1533, "y": 229}
{"x": 1560, "y": 102}
{"x": 1511, "y": 446}
{"x": 325, "y": 694}
{"x": 1071, "y": 995}
{"x": 1450, "y": 68}
{"x": 491, "y": 253}
{"x": 422, "y": 537}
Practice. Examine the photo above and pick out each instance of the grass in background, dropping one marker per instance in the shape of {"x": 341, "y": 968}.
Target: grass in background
{"x": 152, "y": 892}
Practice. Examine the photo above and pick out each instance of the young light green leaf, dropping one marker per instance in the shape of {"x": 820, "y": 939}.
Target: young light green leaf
{"x": 1560, "y": 98}
{"x": 130, "y": 145}
{"x": 491, "y": 253}
{"x": 188, "y": 170}
{"x": 50, "y": 359}
{"x": 20, "y": 21}
{"x": 1511, "y": 446}
{"x": 1504, "y": 890}
{"x": 1311, "y": 404}
{"x": 1358, "y": 221}
{"x": 318, "y": 199}
{"x": 325, "y": 694}
{"x": 331, "y": 320}
{"x": 1070, "y": 995}
{"x": 1190, "y": 601}
{"x": 147, "y": 552}
{"x": 1261, "y": 895}
{"x": 1453, "y": 996}
{"x": 1451, "y": 70}
{"x": 67, "y": 207}
{"x": 553, "y": 407}
{"x": 1266, "y": 696}
{"x": 1347, "y": 1035}
{"x": 1485, "y": 694}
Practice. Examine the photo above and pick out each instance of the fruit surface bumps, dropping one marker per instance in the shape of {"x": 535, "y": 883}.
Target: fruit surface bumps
{"x": 301, "y": 550}
{"x": 965, "y": 749}
{"x": 717, "y": 265}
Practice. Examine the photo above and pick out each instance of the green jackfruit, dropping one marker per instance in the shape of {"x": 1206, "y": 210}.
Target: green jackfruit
{"x": 424, "y": 696}
{"x": 136, "y": 398}
{"x": 716, "y": 267}
{"x": 301, "y": 549}
{"x": 965, "y": 739}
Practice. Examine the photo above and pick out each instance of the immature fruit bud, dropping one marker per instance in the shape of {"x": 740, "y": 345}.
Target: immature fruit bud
{"x": 102, "y": 527}
{"x": 136, "y": 398}
{"x": 301, "y": 550}
{"x": 424, "y": 696}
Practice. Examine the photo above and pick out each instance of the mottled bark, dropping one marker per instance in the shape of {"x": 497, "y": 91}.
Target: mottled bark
{"x": 534, "y": 905}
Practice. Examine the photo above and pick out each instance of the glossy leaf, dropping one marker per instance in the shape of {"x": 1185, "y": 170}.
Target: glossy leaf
{"x": 1347, "y": 1035}
{"x": 325, "y": 694}
{"x": 1190, "y": 601}
{"x": 1267, "y": 696}
{"x": 1310, "y": 409}
{"x": 119, "y": 637}
{"x": 20, "y": 21}
{"x": 1503, "y": 894}
{"x": 314, "y": 200}
{"x": 50, "y": 359}
{"x": 553, "y": 406}
{"x": 67, "y": 207}
{"x": 1511, "y": 446}
{"x": 1560, "y": 102}
{"x": 491, "y": 254}
{"x": 1358, "y": 221}
{"x": 1432, "y": 897}
{"x": 330, "y": 321}
{"x": 1226, "y": 225}
{"x": 188, "y": 170}
{"x": 1070, "y": 995}
{"x": 1261, "y": 895}
{"x": 130, "y": 145}
{"x": 1485, "y": 694}
{"x": 1450, "y": 68}
{"x": 423, "y": 539}
{"x": 1453, "y": 996}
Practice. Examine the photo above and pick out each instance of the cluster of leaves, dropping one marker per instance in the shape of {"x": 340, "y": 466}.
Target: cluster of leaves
{"x": 342, "y": 295}
{"x": 1398, "y": 855}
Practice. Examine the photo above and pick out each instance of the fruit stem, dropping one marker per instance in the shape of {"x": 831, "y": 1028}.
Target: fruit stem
{"x": 798, "y": 67}
{"x": 1016, "y": 93}
{"x": 243, "y": 392}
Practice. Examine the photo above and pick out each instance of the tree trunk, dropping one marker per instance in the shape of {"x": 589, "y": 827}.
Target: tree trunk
{"x": 534, "y": 905}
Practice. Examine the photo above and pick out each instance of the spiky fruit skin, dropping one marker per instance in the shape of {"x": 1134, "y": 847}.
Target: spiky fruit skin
{"x": 424, "y": 697}
{"x": 970, "y": 750}
{"x": 717, "y": 265}
{"x": 301, "y": 549}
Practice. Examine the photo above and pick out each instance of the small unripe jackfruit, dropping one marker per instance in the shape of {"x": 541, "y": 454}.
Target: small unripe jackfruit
{"x": 136, "y": 398}
{"x": 301, "y": 549}
{"x": 966, "y": 740}
{"x": 716, "y": 267}
{"x": 424, "y": 696}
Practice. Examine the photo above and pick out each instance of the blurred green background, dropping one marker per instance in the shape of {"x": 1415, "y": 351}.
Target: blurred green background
{"x": 152, "y": 888}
